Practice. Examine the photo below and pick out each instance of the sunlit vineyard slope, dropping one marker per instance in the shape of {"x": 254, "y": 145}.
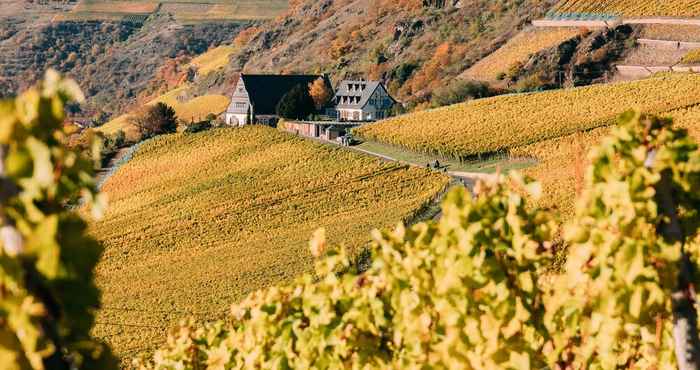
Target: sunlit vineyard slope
{"x": 518, "y": 50}
{"x": 496, "y": 124}
{"x": 213, "y": 59}
{"x": 562, "y": 160}
{"x": 196, "y": 222}
{"x": 630, "y": 8}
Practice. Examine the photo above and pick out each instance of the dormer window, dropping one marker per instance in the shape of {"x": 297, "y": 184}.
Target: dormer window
{"x": 350, "y": 87}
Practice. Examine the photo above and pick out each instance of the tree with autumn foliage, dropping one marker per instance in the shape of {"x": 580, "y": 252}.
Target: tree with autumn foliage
{"x": 320, "y": 92}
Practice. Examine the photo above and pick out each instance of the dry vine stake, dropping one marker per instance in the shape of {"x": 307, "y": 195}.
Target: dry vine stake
{"x": 685, "y": 318}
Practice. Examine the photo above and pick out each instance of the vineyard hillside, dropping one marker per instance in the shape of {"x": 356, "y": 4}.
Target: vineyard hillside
{"x": 486, "y": 126}
{"x": 517, "y": 51}
{"x": 562, "y": 161}
{"x": 197, "y": 221}
{"x": 118, "y": 64}
{"x": 626, "y": 8}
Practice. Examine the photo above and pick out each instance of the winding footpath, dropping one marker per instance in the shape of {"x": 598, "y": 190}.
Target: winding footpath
{"x": 468, "y": 179}
{"x": 120, "y": 158}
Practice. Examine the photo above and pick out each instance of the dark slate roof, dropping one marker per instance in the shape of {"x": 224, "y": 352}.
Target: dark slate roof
{"x": 357, "y": 98}
{"x": 265, "y": 91}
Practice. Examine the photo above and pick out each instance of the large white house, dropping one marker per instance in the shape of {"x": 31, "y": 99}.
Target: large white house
{"x": 363, "y": 101}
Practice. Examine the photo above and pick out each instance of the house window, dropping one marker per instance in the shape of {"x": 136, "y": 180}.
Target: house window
{"x": 240, "y": 105}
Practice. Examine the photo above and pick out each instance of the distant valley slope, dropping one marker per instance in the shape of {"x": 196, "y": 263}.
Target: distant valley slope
{"x": 120, "y": 52}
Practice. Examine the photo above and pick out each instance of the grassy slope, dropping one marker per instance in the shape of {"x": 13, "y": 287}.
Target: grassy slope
{"x": 196, "y": 108}
{"x": 197, "y": 221}
{"x": 213, "y": 59}
{"x": 504, "y": 122}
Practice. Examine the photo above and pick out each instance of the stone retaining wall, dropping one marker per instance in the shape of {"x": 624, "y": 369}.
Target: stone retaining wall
{"x": 664, "y": 44}
{"x": 642, "y": 71}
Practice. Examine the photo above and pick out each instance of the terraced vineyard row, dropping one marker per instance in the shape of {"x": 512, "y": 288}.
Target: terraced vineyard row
{"x": 628, "y": 8}
{"x": 518, "y": 50}
{"x": 196, "y": 222}
{"x": 692, "y": 57}
{"x": 497, "y": 124}
{"x": 185, "y": 11}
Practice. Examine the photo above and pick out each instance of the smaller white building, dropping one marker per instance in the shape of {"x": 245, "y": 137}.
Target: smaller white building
{"x": 363, "y": 101}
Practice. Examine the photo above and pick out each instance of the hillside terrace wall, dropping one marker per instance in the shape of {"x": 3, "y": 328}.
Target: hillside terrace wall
{"x": 326, "y": 130}
{"x": 643, "y": 71}
{"x": 301, "y": 128}
{"x": 664, "y": 44}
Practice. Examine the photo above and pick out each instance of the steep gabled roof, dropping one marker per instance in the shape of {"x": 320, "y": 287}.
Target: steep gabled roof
{"x": 265, "y": 91}
{"x": 358, "y": 97}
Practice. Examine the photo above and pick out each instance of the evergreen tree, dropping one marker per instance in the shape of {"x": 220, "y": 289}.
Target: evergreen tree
{"x": 296, "y": 104}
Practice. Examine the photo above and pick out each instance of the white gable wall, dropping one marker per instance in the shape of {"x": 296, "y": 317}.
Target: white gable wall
{"x": 238, "y": 111}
